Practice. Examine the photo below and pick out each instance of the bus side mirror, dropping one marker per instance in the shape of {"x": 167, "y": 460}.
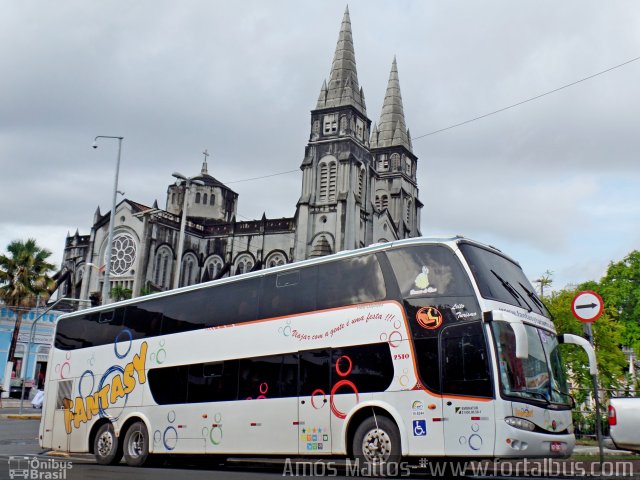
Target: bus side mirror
{"x": 591, "y": 353}
{"x": 522, "y": 342}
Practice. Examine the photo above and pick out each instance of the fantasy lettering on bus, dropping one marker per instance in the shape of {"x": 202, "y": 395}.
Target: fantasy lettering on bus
{"x": 122, "y": 384}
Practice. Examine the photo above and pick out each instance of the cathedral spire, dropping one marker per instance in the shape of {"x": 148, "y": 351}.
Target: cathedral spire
{"x": 343, "y": 88}
{"x": 392, "y": 127}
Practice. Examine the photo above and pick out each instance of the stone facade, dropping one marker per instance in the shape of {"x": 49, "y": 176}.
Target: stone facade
{"x": 358, "y": 187}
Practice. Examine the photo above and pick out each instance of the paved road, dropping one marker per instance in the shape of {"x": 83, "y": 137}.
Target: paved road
{"x": 18, "y": 438}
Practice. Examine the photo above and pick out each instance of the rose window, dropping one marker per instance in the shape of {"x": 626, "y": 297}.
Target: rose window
{"x": 123, "y": 254}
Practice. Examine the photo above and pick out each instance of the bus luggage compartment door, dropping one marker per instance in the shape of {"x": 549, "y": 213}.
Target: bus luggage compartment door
{"x": 314, "y": 409}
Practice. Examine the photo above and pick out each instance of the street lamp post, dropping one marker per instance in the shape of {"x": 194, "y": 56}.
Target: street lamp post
{"x": 31, "y": 334}
{"x": 187, "y": 183}
{"x": 107, "y": 271}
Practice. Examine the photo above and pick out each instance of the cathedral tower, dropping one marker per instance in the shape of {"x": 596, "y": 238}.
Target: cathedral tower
{"x": 334, "y": 210}
{"x": 396, "y": 188}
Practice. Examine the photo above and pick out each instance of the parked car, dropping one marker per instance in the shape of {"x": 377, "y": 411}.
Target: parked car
{"x": 624, "y": 423}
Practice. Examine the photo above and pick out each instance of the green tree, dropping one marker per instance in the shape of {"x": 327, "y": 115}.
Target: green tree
{"x": 120, "y": 293}
{"x": 24, "y": 275}
{"x": 620, "y": 289}
{"x": 607, "y": 333}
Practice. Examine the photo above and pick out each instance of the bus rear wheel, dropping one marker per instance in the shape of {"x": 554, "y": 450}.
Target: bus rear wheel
{"x": 106, "y": 446}
{"x": 136, "y": 445}
{"x": 376, "y": 442}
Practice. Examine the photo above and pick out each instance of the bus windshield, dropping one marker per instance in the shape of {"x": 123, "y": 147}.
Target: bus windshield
{"x": 501, "y": 279}
{"x": 538, "y": 377}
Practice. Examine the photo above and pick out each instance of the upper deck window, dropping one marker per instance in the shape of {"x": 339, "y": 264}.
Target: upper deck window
{"x": 429, "y": 270}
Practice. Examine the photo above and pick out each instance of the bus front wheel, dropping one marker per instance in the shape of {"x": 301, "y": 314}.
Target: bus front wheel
{"x": 377, "y": 441}
{"x": 105, "y": 446}
{"x": 136, "y": 445}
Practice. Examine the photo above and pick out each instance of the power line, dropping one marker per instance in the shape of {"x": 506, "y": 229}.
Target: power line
{"x": 264, "y": 176}
{"x": 480, "y": 117}
{"x": 527, "y": 100}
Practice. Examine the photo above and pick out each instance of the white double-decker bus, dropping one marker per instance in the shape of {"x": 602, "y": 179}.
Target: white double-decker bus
{"x": 422, "y": 347}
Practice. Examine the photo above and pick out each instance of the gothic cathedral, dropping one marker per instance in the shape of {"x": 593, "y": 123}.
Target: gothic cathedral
{"x": 358, "y": 188}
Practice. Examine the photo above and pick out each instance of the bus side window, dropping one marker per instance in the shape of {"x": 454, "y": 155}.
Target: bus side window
{"x": 369, "y": 367}
{"x": 429, "y": 270}
{"x": 169, "y": 385}
{"x": 213, "y": 382}
{"x": 275, "y": 376}
{"x": 314, "y": 372}
{"x": 288, "y": 293}
{"x": 350, "y": 281}
{"x": 143, "y": 320}
{"x": 465, "y": 362}
{"x": 428, "y": 362}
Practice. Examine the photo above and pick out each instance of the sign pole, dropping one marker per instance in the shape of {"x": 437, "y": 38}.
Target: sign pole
{"x": 587, "y": 306}
{"x": 588, "y": 333}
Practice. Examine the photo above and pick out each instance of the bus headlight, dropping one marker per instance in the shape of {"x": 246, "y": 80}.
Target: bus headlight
{"x": 520, "y": 423}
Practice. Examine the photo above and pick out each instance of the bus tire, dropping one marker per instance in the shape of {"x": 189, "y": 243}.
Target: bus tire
{"x": 136, "y": 445}
{"x": 377, "y": 443}
{"x": 106, "y": 446}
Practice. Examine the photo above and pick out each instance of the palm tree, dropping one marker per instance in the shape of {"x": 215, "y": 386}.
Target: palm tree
{"x": 24, "y": 276}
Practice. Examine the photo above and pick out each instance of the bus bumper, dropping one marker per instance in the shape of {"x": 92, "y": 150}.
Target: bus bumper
{"x": 520, "y": 443}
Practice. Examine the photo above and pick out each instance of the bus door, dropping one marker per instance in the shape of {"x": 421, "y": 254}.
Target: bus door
{"x": 314, "y": 409}
{"x": 467, "y": 404}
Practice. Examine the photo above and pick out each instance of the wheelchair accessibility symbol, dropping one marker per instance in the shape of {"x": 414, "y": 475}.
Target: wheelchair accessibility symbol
{"x": 419, "y": 428}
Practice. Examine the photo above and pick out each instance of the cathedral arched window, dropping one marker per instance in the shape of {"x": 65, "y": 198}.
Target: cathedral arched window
{"x": 244, "y": 264}
{"x": 395, "y": 162}
{"x": 212, "y": 199}
{"x": 408, "y": 166}
{"x": 162, "y": 268}
{"x": 204, "y": 199}
{"x": 197, "y": 197}
{"x": 384, "y": 202}
{"x": 361, "y": 183}
{"x": 275, "y": 260}
{"x": 189, "y": 270}
{"x": 213, "y": 267}
{"x": 377, "y": 202}
{"x": 324, "y": 181}
{"x": 383, "y": 163}
{"x": 333, "y": 181}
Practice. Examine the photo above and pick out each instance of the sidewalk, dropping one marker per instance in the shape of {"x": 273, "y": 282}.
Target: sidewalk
{"x": 594, "y": 450}
{"x": 11, "y": 409}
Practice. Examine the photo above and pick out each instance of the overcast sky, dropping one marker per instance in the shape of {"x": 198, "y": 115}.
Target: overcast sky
{"x": 554, "y": 182}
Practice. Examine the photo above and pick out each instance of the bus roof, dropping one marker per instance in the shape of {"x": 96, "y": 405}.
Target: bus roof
{"x": 377, "y": 247}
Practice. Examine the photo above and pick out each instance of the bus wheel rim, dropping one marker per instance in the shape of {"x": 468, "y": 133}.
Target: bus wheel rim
{"x": 136, "y": 444}
{"x": 376, "y": 446}
{"x": 105, "y": 444}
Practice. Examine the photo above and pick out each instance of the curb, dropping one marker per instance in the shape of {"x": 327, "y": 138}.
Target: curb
{"x": 16, "y": 416}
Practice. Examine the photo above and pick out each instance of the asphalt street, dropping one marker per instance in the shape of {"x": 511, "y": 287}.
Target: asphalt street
{"x": 21, "y": 456}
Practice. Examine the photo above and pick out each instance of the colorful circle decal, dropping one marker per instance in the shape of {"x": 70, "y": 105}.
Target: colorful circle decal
{"x": 126, "y": 333}
{"x": 315, "y": 393}
{"x": 342, "y": 383}
{"x": 429, "y": 318}
{"x": 341, "y": 372}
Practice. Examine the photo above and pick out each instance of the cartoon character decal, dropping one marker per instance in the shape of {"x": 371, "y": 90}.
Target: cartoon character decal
{"x": 429, "y": 318}
{"x": 422, "y": 283}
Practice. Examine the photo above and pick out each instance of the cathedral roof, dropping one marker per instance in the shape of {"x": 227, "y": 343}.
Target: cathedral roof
{"x": 343, "y": 88}
{"x": 208, "y": 180}
{"x": 391, "y": 130}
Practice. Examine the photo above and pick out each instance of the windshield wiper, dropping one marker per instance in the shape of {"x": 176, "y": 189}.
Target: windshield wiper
{"x": 514, "y": 293}
{"x": 540, "y": 395}
{"x": 533, "y": 297}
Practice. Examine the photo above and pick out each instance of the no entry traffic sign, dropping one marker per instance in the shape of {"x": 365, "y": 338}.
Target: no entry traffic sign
{"x": 587, "y": 306}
